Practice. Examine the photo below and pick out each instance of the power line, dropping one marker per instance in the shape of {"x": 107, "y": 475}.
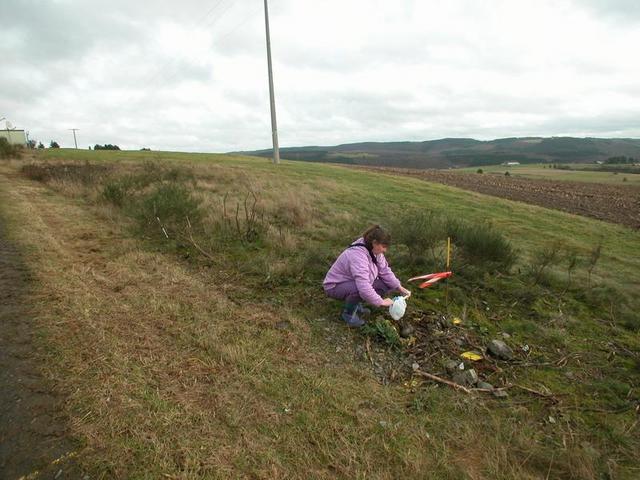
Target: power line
{"x": 200, "y": 24}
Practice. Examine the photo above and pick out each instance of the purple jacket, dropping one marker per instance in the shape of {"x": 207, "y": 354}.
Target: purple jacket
{"x": 355, "y": 264}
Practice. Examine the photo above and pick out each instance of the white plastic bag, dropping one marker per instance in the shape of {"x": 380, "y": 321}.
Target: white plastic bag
{"x": 398, "y": 308}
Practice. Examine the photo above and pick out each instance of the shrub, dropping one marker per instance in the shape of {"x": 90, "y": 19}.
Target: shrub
{"x": 115, "y": 193}
{"x": 479, "y": 171}
{"x": 168, "y": 206}
{"x": 35, "y": 172}
{"x": 8, "y": 150}
{"x": 54, "y": 144}
{"x": 544, "y": 257}
{"x": 482, "y": 244}
{"x": 423, "y": 232}
{"x": 419, "y": 231}
{"x": 86, "y": 173}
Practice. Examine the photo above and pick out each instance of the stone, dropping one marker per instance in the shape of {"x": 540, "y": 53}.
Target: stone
{"x": 283, "y": 325}
{"x": 505, "y": 335}
{"x": 485, "y": 385}
{"x": 466, "y": 378}
{"x": 499, "y": 349}
{"x": 451, "y": 366}
{"x": 415, "y": 366}
{"x": 500, "y": 394}
{"x": 407, "y": 330}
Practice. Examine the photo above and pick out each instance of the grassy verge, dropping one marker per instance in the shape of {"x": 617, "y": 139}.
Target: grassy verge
{"x": 213, "y": 352}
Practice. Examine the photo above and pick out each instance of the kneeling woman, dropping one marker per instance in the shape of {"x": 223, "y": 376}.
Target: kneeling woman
{"x": 361, "y": 273}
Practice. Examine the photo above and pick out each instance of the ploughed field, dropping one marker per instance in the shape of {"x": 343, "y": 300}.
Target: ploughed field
{"x": 611, "y": 203}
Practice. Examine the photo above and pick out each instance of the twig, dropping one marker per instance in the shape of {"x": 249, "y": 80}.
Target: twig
{"x": 550, "y": 463}
{"x": 224, "y": 207}
{"x": 548, "y": 396}
{"x": 490, "y": 390}
{"x": 193, "y": 242}
{"x": 237, "y": 219}
{"x": 367, "y": 345}
{"x": 442, "y": 380}
{"x": 162, "y": 227}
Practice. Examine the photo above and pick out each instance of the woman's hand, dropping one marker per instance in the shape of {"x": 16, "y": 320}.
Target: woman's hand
{"x": 404, "y": 291}
{"x": 387, "y": 302}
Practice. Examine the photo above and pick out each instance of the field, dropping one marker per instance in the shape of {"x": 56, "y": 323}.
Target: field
{"x": 604, "y": 201}
{"x": 576, "y": 174}
{"x": 174, "y": 303}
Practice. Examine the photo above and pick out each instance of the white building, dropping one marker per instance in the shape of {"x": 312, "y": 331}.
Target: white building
{"x": 15, "y": 137}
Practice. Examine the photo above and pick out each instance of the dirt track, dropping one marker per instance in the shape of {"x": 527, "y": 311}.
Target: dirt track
{"x": 34, "y": 440}
{"x": 616, "y": 204}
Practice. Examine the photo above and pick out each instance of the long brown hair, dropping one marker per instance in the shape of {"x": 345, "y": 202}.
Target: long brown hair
{"x": 377, "y": 233}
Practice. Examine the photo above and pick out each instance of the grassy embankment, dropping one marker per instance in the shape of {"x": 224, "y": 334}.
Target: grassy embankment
{"x": 229, "y": 362}
{"x": 576, "y": 174}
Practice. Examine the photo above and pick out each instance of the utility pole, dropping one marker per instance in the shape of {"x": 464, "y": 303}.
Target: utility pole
{"x": 274, "y": 126}
{"x": 74, "y": 136}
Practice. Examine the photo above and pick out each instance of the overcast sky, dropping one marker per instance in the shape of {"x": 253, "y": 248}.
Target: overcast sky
{"x": 192, "y": 75}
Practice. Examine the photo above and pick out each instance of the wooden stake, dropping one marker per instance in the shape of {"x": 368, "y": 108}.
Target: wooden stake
{"x": 446, "y": 287}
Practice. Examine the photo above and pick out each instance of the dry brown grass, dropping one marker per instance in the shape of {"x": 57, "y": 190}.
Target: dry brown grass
{"x": 181, "y": 371}
{"x": 167, "y": 374}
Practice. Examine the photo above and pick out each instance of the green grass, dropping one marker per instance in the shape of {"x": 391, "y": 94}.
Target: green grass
{"x": 577, "y": 174}
{"x": 309, "y": 408}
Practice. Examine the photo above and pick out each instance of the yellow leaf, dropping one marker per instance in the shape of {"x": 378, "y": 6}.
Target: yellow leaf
{"x": 473, "y": 356}
{"x": 456, "y": 321}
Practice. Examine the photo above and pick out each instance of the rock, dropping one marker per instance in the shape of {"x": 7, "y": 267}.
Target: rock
{"x": 451, "y": 366}
{"x": 466, "y": 377}
{"x": 505, "y": 335}
{"x": 284, "y": 325}
{"x": 406, "y": 330}
{"x": 486, "y": 385}
{"x": 458, "y": 341}
{"x": 415, "y": 366}
{"x": 499, "y": 349}
{"x": 500, "y": 394}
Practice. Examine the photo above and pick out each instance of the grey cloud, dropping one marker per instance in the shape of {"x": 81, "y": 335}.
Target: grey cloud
{"x": 617, "y": 10}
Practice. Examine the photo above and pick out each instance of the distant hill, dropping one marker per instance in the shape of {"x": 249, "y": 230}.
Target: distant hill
{"x": 465, "y": 152}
